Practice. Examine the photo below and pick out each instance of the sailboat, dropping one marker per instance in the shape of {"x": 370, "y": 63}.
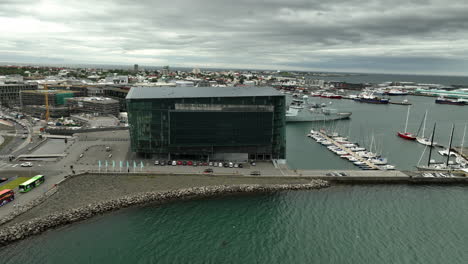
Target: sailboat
{"x": 407, "y": 135}
{"x": 460, "y": 158}
{"x": 438, "y": 166}
{"x": 423, "y": 140}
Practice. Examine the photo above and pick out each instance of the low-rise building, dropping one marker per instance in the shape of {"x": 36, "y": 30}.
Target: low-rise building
{"x": 94, "y": 105}
{"x": 38, "y": 97}
{"x": 10, "y": 93}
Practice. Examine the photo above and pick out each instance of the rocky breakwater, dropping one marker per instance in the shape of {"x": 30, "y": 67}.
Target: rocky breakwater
{"x": 38, "y": 225}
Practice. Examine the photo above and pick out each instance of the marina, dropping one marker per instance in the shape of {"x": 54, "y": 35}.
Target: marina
{"x": 363, "y": 159}
{"x": 382, "y": 121}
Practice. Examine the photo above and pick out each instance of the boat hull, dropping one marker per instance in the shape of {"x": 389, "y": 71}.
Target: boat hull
{"x": 372, "y": 101}
{"x": 425, "y": 168}
{"x": 438, "y": 101}
{"x": 312, "y": 117}
{"x": 407, "y": 136}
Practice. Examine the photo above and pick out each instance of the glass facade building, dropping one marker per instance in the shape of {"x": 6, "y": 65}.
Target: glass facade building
{"x": 207, "y": 122}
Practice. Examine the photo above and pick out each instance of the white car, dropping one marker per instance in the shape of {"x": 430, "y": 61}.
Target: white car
{"x": 26, "y": 164}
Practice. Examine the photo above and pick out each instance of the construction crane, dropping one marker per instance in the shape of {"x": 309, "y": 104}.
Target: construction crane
{"x": 46, "y": 102}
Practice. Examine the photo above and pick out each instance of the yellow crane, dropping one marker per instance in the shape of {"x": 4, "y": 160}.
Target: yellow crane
{"x": 46, "y": 102}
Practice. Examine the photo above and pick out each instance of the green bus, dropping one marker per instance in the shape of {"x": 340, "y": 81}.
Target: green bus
{"x": 31, "y": 183}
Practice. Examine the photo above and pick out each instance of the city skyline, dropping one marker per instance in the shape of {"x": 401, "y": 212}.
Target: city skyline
{"x": 417, "y": 37}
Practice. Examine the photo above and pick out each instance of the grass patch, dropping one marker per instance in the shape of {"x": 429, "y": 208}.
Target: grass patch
{"x": 6, "y": 128}
{"x": 14, "y": 183}
{"x": 7, "y": 139}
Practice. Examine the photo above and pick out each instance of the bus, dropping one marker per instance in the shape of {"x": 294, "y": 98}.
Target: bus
{"x": 6, "y": 196}
{"x": 31, "y": 183}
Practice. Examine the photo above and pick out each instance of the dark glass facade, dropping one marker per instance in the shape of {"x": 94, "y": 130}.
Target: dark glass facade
{"x": 208, "y": 125}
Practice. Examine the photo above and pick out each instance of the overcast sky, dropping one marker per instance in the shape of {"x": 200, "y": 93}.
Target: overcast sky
{"x": 398, "y": 36}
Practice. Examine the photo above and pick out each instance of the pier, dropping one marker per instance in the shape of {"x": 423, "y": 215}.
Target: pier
{"x": 347, "y": 150}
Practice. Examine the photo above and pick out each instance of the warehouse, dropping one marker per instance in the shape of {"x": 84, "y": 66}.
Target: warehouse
{"x": 214, "y": 123}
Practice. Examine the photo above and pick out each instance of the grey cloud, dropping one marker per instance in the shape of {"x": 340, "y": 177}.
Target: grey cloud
{"x": 296, "y": 34}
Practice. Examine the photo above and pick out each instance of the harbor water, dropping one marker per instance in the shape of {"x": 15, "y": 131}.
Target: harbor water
{"x": 342, "y": 224}
{"x": 377, "y": 125}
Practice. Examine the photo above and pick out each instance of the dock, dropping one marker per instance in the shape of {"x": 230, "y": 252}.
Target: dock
{"x": 347, "y": 150}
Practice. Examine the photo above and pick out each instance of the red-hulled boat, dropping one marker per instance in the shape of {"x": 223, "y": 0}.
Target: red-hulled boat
{"x": 406, "y": 135}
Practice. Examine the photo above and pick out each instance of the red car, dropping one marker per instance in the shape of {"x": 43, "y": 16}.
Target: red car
{"x": 179, "y": 162}
{"x": 190, "y": 163}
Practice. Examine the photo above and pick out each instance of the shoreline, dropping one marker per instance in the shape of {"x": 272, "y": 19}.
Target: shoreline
{"x": 39, "y": 225}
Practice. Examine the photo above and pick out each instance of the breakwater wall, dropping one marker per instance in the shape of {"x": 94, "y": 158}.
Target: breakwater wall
{"x": 38, "y": 225}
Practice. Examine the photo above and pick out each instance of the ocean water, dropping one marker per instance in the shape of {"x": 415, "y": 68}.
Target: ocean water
{"x": 380, "y": 78}
{"x": 342, "y": 224}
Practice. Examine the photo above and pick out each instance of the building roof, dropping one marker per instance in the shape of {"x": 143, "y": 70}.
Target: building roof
{"x": 95, "y": 99}
{"x": 200, "y": 92}
{"x": 49, "y": 91}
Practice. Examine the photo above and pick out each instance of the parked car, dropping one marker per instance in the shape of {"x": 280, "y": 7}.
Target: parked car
{"x": 205, "y": 163}
{"x": 236, "y": 165}
{"x": 190, "y": 163}
{"x": 226, "y": 165}
{"x": 210, "y": 163}
{"x": 200, "y": 163}
{"x": 240, "y": 165}
{"x": 162, "y": 163}
{"x": 208, "y": 171}
{"x": 174, "y": 163}
{"x": 3, "y": 179}
{"x": 184, "y": 163}
{"x": 26, "y": 164}
{"x": 253, "y": 163}
{"x": 156, "y": 162}
{"x": 231, "y": 165}
{"x": 220, "y": 165}
{"x": 343, "y": 173}
{"x": 255, "y": 173}
{"x": 179, "y": 162}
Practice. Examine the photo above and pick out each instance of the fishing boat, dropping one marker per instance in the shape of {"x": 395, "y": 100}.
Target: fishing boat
{"x": 369, "y": 97}
{"x": 405, "y": 134}
{"x": 443, "y": 100}
{"x": 331, "y": 96}
{"x": 397, "y": 92}
{"x": 404, "y": 102}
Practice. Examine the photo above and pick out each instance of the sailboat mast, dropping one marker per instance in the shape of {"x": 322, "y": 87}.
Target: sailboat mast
{"x": 424, "y": 124}
{"x": 432, "y": 144}
{"x": 407, "y": 117}
{"x": 463, "y": 141}
{"x": 450, "y": 145}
